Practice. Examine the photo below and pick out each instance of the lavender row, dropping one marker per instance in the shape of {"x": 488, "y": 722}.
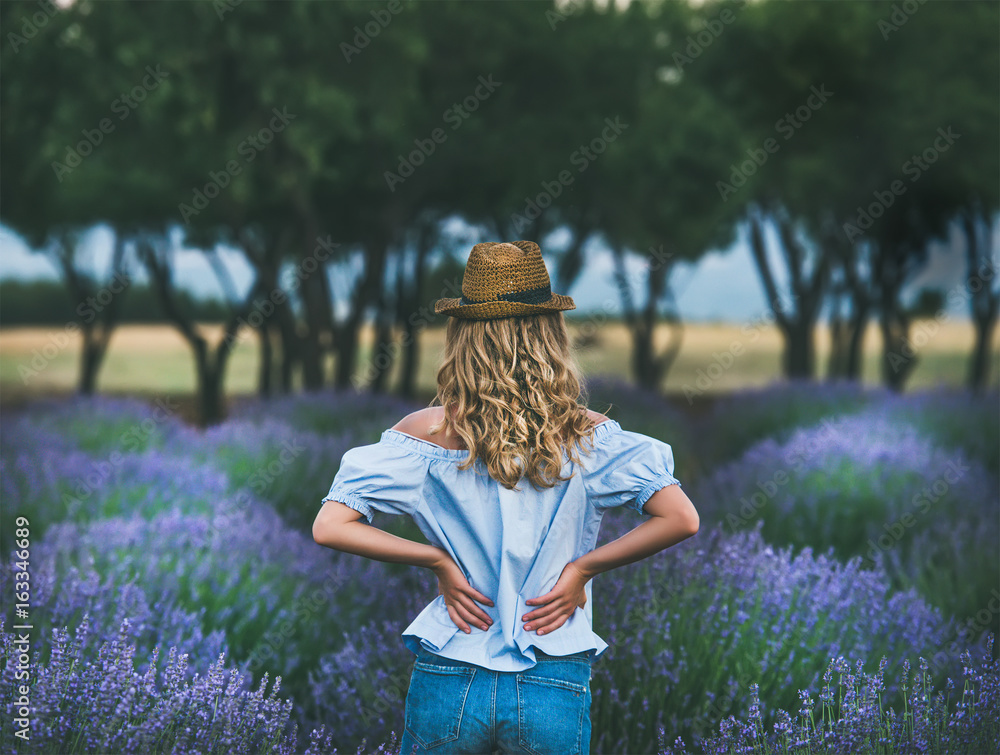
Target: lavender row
{"x": 183, "y": 482}
{"x": 850, "y": 715}
{"x": 953, "y": 417}
{"x": 239, "y": 582}
{"x": 871, "y": 485}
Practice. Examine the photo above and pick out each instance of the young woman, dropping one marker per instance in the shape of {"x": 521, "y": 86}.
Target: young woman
{"x": 507, "y": 474}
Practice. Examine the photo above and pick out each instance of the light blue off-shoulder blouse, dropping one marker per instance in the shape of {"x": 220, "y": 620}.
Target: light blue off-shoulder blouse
{"x": 511, "y": 545}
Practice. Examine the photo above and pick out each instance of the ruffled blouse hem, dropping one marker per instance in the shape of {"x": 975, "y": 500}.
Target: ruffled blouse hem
{"x": 350, "y": 499}
{"x": 656, "y": 484}
{"x": 431, "y": 632}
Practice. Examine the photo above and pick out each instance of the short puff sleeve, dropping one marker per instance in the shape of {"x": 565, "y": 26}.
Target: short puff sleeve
{"x": 379, "y": 477}
{"x": 625, "y": 468}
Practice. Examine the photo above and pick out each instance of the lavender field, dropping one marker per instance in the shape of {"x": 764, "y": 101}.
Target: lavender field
{"x": 843, "y": 594}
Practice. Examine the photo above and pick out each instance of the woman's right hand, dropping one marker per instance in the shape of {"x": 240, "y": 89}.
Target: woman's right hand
{"x": 460, "y": 597}
{"x": 559, "y": 603}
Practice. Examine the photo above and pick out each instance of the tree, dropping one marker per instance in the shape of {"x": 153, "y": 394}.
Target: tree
{"x": 656, "y": 185}
{"x": 52, "y": 164}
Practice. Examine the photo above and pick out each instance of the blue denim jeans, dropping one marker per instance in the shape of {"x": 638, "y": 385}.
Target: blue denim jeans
{"x": 456, "y": 707}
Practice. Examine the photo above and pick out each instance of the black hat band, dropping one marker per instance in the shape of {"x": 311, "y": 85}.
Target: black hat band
{"x": 531, "y": 296}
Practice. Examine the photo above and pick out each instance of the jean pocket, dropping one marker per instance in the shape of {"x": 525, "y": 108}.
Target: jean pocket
{"x": 435, "y": 702}
{"x": 551, "y": 711}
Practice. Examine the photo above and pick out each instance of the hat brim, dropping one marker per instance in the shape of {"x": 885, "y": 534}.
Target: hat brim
{"x": 489, "y": 310}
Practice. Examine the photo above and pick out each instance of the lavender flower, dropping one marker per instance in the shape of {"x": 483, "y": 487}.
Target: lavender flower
{"x": 669, "y": 622}
{"x": 927, "y": 723}
{"x": 328, "y": 412}
{"x": 870, "y": 485}
{"x": 741, "y": 418}
{"x": 273, "y": 461}
{"x": 82, "y": 703}
{"x": 187, "y": 576}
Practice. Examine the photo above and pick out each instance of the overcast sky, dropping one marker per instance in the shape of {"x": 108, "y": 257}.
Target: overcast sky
{"x": 724, "y": 286}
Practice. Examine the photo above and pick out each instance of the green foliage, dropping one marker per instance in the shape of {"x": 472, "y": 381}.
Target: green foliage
{"x": 928, "y": 303}
{"x": 695, "y": 86}
{"x": 43, "y": 302}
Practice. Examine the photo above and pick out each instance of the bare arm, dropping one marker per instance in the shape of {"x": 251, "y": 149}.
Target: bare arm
{"x": 340, "y": 527}
{"x": 674, "y": 519}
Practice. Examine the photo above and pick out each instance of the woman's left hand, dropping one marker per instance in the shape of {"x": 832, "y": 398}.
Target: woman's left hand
{"x": 460, "y": 596}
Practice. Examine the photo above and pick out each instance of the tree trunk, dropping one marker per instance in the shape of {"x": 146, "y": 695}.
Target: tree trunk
{"x": 210, "y": 410}
{"x": 979, "y": 367}
{"x": 984, "y": 301}
{"x": 316, "y": 300}
{"x": 798, "y": 357}
{"x": 642, "y": 357}
{"x": 264, "y": 388}
{"x": 860, "y": 297}
{"x": 411, "y": 361}
{"x": 899, "y": 359}
{"x": 648, "y": 367}
{"x": 90, "y": 364}
{"x": 382, "y": 355}
{"x": 310, "y": 344}
{"x": 210, "y": 365}
{"x": 100, "y": 317}
{"x": 265, "y": 249}
{"x": 855, "y": 353}
{"x": 288, "y": 340}
{"x": 837, "y": 366}
{"x": 365, "y": 294}
{"x": 796, "y": 324}
{"x": 347, "y": 351}
{"x": 570, "y": 263}
{"x": 839, "y": 337}
{"x": 411, "y": 326}
{"x": 849, "y": 301}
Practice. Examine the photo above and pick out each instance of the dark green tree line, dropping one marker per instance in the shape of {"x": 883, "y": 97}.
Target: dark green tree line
{"x": 334, "y": 145}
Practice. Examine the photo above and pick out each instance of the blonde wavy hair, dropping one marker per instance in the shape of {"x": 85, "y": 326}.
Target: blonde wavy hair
{"x": 515, "y": 391}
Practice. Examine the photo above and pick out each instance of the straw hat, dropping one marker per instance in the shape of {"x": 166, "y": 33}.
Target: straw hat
{"x": 504, "y": 280}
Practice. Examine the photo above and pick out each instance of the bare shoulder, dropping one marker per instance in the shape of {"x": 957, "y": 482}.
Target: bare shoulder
{"x": 419, "y": 422}
{"x": 596, "y": 417}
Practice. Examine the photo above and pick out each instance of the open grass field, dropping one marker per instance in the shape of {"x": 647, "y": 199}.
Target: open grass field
{"x": 155, "y": 359}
